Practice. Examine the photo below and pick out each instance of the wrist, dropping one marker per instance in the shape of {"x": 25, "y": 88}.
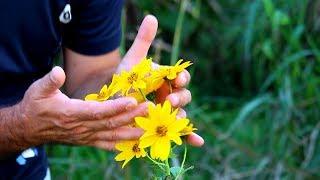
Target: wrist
{"x": 21, "y": 131}
{"x": 12, "y": 131}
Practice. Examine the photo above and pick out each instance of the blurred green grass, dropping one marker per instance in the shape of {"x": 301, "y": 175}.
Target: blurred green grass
{"x": 256, "y": 89}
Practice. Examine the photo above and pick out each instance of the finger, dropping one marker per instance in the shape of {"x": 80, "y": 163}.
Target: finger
{"x": 180, "y": 98}
{"x": 142, "y": 42}
{"x": 121, "y": 133}
{"x": 90, "y": 110}
{"x": 182, "y": 113}
{"x": 105, "y": 145}
{"x": 195, "y": 140}
{"x": 50, "y": 82}
{"x": 182, "y": 79}
{"x": 122, "y": 119}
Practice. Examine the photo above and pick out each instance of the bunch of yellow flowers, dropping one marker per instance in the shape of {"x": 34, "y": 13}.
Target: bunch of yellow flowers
{"x": 161, "y": 126}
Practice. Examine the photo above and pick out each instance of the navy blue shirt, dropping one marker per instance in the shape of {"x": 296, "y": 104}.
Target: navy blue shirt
{"x": 31, "y": 35}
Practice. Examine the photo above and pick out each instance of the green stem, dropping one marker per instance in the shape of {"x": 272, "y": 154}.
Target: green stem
{"x": 183, "y": 161}
{"x": 157, "y": 163}
{"x": 168, "y": 167}
{"x": 143, "y": 95}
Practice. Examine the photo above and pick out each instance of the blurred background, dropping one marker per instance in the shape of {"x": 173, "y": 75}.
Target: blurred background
{"x": 256, "y": 89}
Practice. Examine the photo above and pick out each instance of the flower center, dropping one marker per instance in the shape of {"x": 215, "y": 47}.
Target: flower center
{"x": 136, "y": 148}
{"x": 161, "y": 131}
{"x": 168, "y": 70}
{"x": 133, "y": 77}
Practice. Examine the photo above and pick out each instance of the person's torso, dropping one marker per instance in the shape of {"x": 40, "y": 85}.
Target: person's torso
{"x": 29, "y": 40}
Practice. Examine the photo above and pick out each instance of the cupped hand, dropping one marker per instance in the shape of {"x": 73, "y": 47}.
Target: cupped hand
{"x": 180, "y": 95}
{"x": 48, "y": 115}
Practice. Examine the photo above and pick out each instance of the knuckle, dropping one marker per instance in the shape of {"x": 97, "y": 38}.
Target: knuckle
{"x": 113, "y": 110}
{"x": 110, "y": 123}
{"x": 114, "y": 135}
{"x": 79, "y": 130}
{"x": 66, "y": 116}
{"x": 97, "y": 115}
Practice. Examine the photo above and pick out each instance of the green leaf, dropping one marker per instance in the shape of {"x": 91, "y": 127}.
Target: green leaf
{"x": 269, "y": 8}
{"x": 280, "y": 18}
{"x": 267, "y": 49}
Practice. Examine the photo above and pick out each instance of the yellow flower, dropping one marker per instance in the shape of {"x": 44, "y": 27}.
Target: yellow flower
{"x": 134, "y": 79}
{"x": 137, "y": 95}
{"x": 103, "y": 95}
{"x": 161, "y": 127}
{"x": 188, "y": 130}
{"x": 170, "y": 72}
{"x": 129, "y": 150}
{"x": 152, "y": 85}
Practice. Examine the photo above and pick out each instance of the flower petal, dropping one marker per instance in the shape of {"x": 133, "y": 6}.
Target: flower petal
{"x": 127, "y": 160}
{"x": 104, "y": 89}
{"x": 172, "y": 75}
{"x": 162, "y": 149}
{"x": 144, "y": 123}
{"x": 175, "y": 138}
{"x": 178, "y": 125}
{"x": 122, "y": 156}
{"x": 91, "y": 97}
{"x": 125, "y": 145}
{"x": 147, "y": 141}
{"x": 140, "y": 84}
{"x": 179, "y": 62}
{"x": 166, "y": 107}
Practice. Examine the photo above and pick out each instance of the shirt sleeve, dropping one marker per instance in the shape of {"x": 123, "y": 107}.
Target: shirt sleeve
{"x": 95, "y": 27}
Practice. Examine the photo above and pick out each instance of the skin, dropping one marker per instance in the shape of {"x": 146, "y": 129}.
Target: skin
{"x": 47, "y": 115}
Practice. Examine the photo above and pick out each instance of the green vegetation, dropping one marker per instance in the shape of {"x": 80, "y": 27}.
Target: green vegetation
{"x": 256, "y": 89}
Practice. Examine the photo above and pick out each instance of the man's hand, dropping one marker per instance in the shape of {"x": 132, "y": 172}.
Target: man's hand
{"x": 48, "y": 115}
{"x": 180, "y": 96}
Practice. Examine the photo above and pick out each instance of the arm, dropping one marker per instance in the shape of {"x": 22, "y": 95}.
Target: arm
{"x": 47, "y": 115}
{"x": 11, "y": 130}
{"x": 86, "y": 74}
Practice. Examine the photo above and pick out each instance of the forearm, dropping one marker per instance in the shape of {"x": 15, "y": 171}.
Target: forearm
{"x": 94, "y": 83}
{"x": 12, "y": 135}
{"x": 87, "y": 74}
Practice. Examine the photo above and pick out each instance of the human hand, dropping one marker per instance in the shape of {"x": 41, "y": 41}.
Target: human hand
{"x": 48, "y": 115}
{"x": 180, "y": 96}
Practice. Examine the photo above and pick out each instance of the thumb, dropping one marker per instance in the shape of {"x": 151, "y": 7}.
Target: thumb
{"x": 50, "y": 82}
{"x": 141, "y": 44}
